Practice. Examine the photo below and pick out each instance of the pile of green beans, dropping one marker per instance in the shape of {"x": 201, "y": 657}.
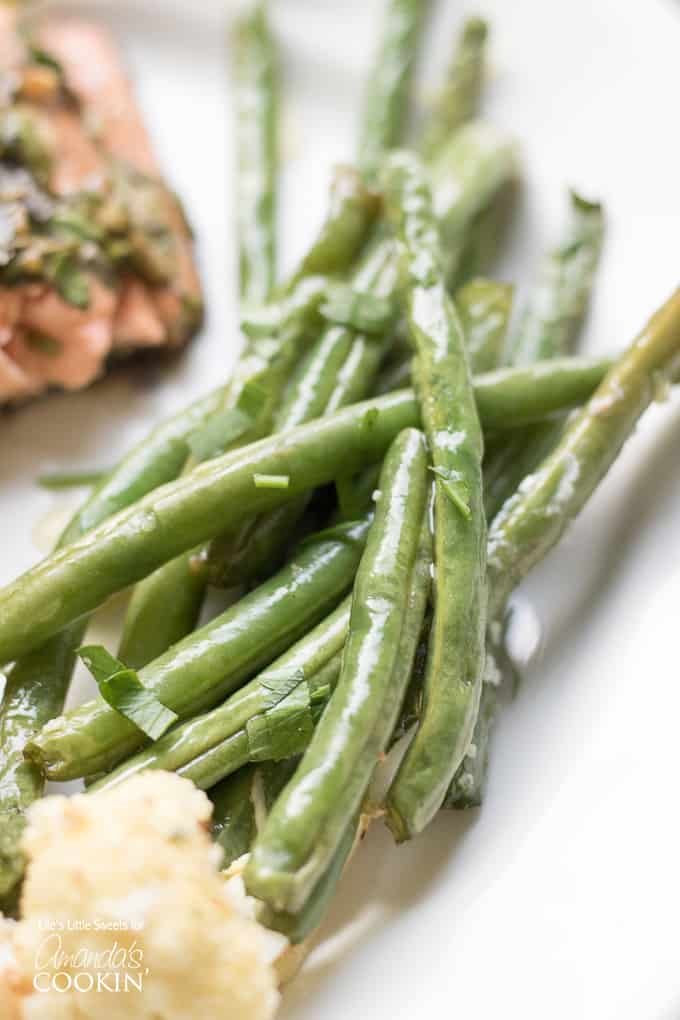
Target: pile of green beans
{"x": 340, "y": 486}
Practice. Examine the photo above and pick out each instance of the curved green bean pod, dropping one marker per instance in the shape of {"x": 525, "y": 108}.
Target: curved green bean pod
{"x": 531, "y": 522}
{"x": 298, "y": 840}
{"x": 210, "y": 663}
{"x": 455, "y": 665}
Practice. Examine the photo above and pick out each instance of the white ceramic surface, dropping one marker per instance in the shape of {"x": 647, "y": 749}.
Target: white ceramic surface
{"x": 561, "y": 898}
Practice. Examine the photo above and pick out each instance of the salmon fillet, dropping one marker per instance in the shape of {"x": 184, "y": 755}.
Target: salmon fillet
{"x": 95, "y": 253}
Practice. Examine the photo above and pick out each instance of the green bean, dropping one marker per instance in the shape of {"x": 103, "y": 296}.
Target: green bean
{"x": 189, "y": 740}
{"x": 180, "y": 515}
{"x": 560, "y": 301}
{"x": 455, "y": 666}
{"x": 58, "y": 480}
{"x": 199, "y": 671}
{"x": 387, "y": 91}
{"x": 328, "y": 845}
{"x": 484, "y": 307}
{"x": 301, "y": 834}
{"x": 458, "y": 100}
{"x": 255, "y": 88}
{"x": 352, "y": 212}
{"x": 532, "y": 521}
{"x": 38, "y": 681}
{"x": 298, "y": 926}
{"x": 548, "y": 328}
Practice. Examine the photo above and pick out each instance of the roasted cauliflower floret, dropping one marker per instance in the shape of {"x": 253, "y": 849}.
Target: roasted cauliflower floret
{"x": 124, "y": 913}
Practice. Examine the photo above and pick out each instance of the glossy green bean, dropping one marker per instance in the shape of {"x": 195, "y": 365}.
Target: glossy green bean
{"x": 458, "y": 99}
{"x": 297, "y": 927}
{"x": 301, "y": 834}
{"x": 255, "y": 96}
{"x": 329, "y": 846}
{"x": 385, "y": 106}
{"x": 453, "y": 677}
{"x": 207, "y": 665}
{"x": 532, "y": 521}
{"x": 351, "y": 214}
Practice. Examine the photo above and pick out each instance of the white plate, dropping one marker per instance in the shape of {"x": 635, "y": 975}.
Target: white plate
{"x": 561, "y": 897}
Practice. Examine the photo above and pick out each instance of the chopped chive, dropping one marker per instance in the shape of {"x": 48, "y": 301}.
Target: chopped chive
{"x": 70, "y": 479}
{"x": 271, "y": 481}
